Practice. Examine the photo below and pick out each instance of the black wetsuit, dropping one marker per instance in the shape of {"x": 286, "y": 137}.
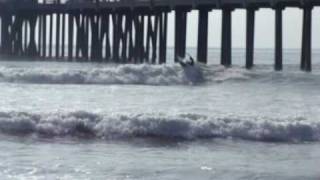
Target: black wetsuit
{"x": 190, "y": 63}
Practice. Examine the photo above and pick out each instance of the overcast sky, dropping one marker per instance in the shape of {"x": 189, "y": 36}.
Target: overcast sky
{"x": 264, "y": 37}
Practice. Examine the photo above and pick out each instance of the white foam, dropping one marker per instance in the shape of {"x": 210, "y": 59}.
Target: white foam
{"x": 185, "y": 126}
{"x": 225, "y": 74}
{"x": 122, "y": 74}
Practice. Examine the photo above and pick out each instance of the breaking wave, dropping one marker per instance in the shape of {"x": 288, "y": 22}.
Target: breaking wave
{"x": 182, "y": 126}
{"x": 143, "y": 74}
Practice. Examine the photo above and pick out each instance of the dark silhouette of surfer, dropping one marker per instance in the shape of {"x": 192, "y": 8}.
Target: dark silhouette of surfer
{"x": 190, "y": 62}
{"x": 192, "y": 72}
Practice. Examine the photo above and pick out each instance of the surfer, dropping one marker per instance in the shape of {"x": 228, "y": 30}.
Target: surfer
{"x": 192, "y": 72}
{"x": 184, "y": 64}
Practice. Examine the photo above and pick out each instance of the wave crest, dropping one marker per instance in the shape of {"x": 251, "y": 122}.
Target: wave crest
{"x": 142, "y": 74}
{"x": 122, "y": 74}
{"x": 182, "y": 126}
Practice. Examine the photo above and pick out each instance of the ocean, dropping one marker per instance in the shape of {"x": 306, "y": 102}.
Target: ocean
{"x": 61, "y": 120}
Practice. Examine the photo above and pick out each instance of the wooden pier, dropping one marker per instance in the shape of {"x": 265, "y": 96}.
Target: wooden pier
{"x": 133, "y": 31}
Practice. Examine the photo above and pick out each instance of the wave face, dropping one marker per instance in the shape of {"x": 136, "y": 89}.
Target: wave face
{"x": 183, "y": 126}
{"x": 142, "y": 74}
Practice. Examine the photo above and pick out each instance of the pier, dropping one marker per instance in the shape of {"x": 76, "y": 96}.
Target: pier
{"x": 134, "y": 31}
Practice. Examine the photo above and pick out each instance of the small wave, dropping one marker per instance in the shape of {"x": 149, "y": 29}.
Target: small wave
{"x": 122, "y": 74}
{"x": 181, "y": 126}
{"x": 142, "y": 74}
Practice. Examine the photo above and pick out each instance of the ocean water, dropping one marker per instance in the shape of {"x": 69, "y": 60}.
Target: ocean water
{"x": 63, "y": 120}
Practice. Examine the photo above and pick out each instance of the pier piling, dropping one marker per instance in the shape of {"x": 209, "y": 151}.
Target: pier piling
{"x": 278, "y": 39}
{"x": 163, "y": 37}
{"x": 180, "y": 33}
{"x": 44, "y": 36}
{"x": 250, "y": 37}
{"x": 63, "y": 35}
{"x": 40, "y": 21}
{"x": 203, "y": 36}
{"x": 70, "y": 36}
{"x": 58, "y": 30}
{"x": 32, "y": 49}
{"x": 306, "y": 39}
{"x": 50, "y": 34}
{"x": 0, "y": 34}
{"x": 226, "y": 38}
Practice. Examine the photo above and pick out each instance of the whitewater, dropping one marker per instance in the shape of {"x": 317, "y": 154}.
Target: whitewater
{"x": 62, "y": 120}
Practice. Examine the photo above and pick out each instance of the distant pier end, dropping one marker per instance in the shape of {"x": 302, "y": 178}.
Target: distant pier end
{"x": 133, "y": 31}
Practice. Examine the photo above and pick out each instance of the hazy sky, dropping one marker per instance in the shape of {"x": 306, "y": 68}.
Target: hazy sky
{"x": 264, "y": 37}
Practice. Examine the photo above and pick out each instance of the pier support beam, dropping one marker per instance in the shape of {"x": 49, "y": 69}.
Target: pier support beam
{"x": 16, "y": 35}
{"x": 306, "y": 50}
{"x": 25, "y": 34}
{"x": 202, "y": 53}
{"x": 139, "y": 49}
{"x": 40, "y": 31}
{"x": 180, "y": 33}
{"x": 125, "y": 37}
{"x": 44, "y": 36}
{"x": 5, "y": 35}
{"x": 86, "y": 37}
{"x": 82, "y": 36}
{"x": 1, "y": 34}
{"x": 152, "y": 37}
{"x": 96, "y": 47}
{"x": 117, "y": 25}
{"x": 58, "y": 35}
{"x": 70, "y": 36}
{"x": 163, "y": 38}
{"x": 50, "y": 35}
{"x": 105, "y": 36}
{"x": 32, "y": 49}
{"x": 278, "y": 39}
{"x": 79, "y": 31}
{"x": 250, "y": 38}
{"x": 226, "y": 38}
{"x": 149, "y": 37}
{"x": 63, "y": 35}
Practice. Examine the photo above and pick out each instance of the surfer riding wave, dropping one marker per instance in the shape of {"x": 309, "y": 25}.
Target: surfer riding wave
{"x": 192, "y": 71}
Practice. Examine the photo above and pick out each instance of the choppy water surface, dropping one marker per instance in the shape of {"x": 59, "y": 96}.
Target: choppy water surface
{"x": 93, "y": 121}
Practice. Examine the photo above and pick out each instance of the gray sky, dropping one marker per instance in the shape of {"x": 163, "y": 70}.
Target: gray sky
{"x": 264, "y": 37}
